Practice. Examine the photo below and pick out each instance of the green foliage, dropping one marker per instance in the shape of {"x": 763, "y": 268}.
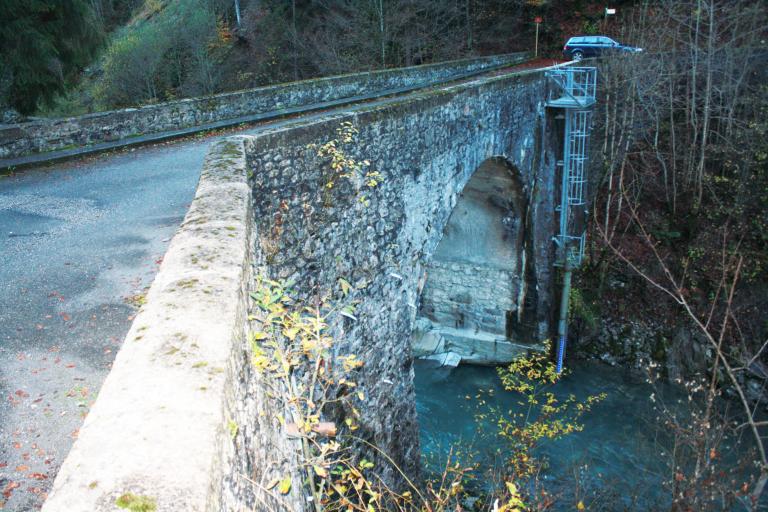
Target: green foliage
{"x": 233, "y": 428}
{"x": 170, "y": 49}
{"x": 291, "y": 346}
{"x": 171, "y": 53}
{"x": 45, "y": 43}
{"x": 513, "y": 502}
{"x": 307, "y": 376}
{"x": 341, "y": 164}
{"x": 336, "y": 152}
{"x": 583, "y": 308}
{"x": 293, "y": 349}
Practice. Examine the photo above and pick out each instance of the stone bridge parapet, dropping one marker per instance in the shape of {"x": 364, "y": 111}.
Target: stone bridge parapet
{"x": 227, "y": 109}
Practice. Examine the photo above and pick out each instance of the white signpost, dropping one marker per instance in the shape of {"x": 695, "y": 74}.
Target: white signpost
{"x": 608, "y": 12}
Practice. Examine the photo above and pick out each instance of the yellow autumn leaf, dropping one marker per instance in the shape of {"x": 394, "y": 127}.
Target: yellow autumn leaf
{"x": 285, "y": 485}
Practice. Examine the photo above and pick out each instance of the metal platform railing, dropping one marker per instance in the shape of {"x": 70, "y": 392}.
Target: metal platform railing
{"x": 573, "y": 199}
{"x": 576, "y": 87}
{"x": 574, "y": 92}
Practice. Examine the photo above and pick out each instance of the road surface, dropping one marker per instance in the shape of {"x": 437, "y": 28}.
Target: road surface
{"x": 79, "y": 243}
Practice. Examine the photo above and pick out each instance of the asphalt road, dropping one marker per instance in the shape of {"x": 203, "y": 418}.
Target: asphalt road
{"x": 79, "y": 244}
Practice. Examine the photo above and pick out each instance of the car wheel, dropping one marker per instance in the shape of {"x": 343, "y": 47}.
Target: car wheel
{"x": 577, "y": 55}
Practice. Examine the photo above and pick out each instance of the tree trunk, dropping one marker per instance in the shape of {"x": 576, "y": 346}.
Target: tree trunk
{"x": 294, "y": 37}
{"x": 381, "y": 34}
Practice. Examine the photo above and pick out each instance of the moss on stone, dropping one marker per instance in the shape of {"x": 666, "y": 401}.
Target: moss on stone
{"x": 136, "y": 503}
{"x": 659, "y": 353}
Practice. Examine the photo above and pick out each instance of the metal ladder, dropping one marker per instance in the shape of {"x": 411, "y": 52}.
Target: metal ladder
{"x": 574, "y": 92}
{"x": 572, "y": 209}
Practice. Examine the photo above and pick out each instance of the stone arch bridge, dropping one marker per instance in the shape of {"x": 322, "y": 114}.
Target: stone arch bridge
{"x": 455, "y": 235}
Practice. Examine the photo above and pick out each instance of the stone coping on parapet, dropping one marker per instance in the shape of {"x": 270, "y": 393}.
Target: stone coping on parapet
{"x": 155, "y": 431}
{"x": 381, "y": 72}
{"x": 414, "y": 101}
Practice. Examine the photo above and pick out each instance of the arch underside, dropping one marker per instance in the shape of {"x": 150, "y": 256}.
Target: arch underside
{"x": 472, "y": 305}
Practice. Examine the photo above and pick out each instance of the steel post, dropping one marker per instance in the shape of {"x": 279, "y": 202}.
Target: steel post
{"x": 562, "y": 326}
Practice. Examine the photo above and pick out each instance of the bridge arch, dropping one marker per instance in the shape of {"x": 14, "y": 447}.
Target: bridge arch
{"x": 473, "y": 302}
{"x": 264, "y": 209}
{"x": 432, "y": 152}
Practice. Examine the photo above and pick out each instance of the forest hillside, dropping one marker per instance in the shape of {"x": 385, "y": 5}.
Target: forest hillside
{"x": 97, "y": 55}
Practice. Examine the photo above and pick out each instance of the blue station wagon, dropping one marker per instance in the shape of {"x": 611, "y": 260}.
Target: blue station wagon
{"x": 581, "y": 47}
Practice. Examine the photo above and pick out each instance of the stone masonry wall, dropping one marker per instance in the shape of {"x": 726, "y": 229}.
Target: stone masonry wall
{"x": 54, "y": 134}
{"x": 381, "y": 238}
{"x": 478, "y": 294}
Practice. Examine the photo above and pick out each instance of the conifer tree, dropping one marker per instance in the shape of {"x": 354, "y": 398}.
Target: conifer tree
{"x": 43, "y": 44}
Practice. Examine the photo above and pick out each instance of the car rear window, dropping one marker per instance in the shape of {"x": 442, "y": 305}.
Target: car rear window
{"x": 584, "y": 40}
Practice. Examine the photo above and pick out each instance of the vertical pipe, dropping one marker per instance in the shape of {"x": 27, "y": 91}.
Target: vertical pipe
{"x": 293, "y": 37}
{"x": 562, "y": 326}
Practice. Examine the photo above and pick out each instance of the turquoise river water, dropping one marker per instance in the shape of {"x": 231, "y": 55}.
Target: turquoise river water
{"x": 620, "y": 461}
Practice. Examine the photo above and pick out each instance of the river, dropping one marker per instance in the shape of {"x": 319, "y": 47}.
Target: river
{"x": 620, "y": 461}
